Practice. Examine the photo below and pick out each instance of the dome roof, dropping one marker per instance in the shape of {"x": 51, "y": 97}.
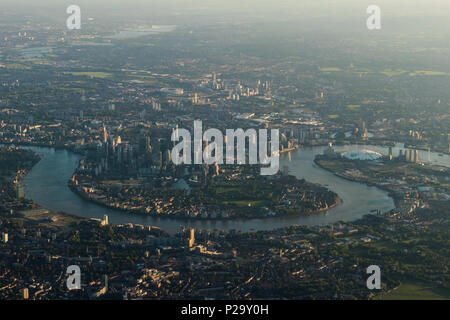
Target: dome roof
{"x": 362, "y": 155}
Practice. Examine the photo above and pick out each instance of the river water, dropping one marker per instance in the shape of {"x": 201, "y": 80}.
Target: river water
{"x": 46, "y": 185}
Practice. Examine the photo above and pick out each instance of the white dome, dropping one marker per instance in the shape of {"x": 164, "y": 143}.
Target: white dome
{"x": 362, "y": 155}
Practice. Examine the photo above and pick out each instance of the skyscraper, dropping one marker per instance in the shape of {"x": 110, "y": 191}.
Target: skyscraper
{"x": 191, "y": 237}
{"x": 105, "y": 220}
{"x": 417, "y": 156}
{"x": 105, "y": 134}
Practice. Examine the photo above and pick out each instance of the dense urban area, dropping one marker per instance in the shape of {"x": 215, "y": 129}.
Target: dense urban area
{"x": 113, "y": 93}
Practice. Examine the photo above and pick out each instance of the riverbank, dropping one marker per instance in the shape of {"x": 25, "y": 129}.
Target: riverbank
{"x": 43, "y": 145}
{"x": 386, "y": 143}
{"x": 46, "y": 185}
{"x": 368, "y": 183}
{"x": 270, "y": 215}
{"x": 25, "y": 166}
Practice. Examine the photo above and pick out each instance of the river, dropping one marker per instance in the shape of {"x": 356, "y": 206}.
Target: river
{"x": 46, "y": 185}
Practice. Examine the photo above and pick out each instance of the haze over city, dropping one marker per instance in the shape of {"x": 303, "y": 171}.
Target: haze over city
{"x": 136, "y": 140}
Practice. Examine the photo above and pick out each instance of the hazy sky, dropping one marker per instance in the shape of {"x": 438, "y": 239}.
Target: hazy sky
{"x": 403, "y": 15}
{"x": 329, "y": 7}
